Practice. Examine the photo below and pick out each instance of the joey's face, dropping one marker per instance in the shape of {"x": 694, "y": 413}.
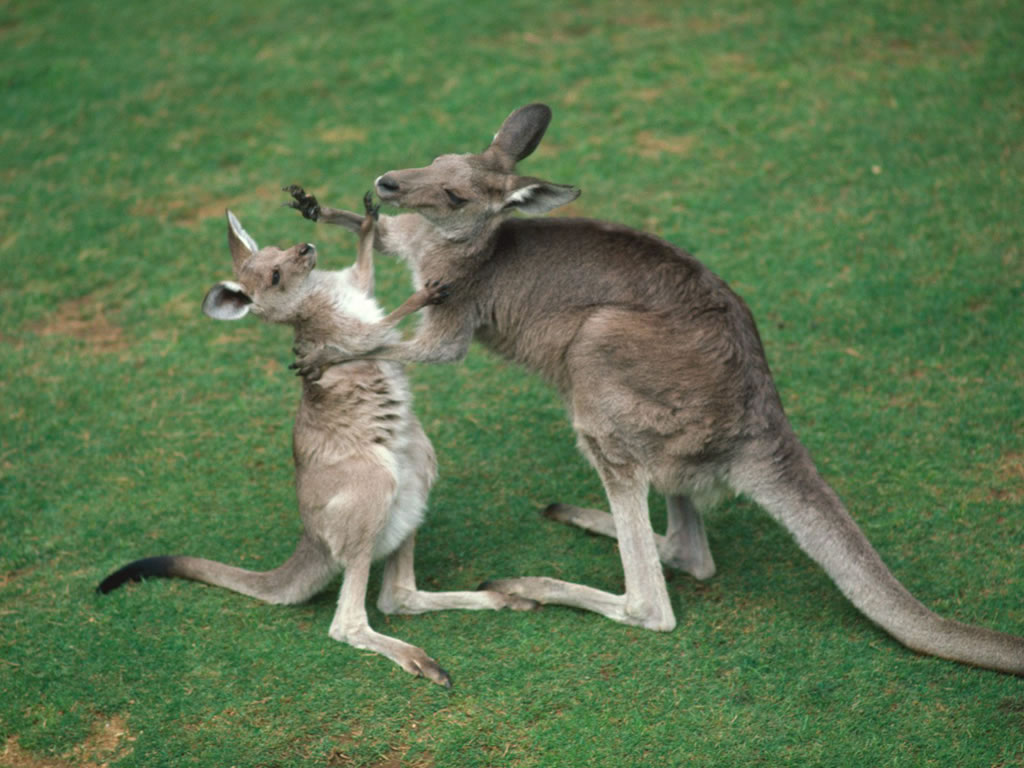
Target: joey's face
{"x": 270, "y": 282}
{"x": 276, "y": 280}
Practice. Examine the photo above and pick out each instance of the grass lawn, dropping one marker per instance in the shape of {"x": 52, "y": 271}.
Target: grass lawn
{"x": 854, "y": 170}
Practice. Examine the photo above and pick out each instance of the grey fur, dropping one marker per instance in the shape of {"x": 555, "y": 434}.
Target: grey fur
{"x": 661, "y": 368}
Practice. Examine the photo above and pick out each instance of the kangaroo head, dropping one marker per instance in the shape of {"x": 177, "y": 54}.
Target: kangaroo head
{"x": 269, "y": 282}
{"x": 460, "y": 194}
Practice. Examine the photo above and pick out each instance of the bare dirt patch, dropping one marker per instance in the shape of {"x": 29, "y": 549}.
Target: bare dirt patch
{"x": 1010, "y": 474}
{"x": 343, "y": 134}
{"x": 1004, "y": 482}
{"x": 190, "y": 206}
{"x": 648, "y": 144}
{"x": 395, "y": 758}
{"x": 108, "y": 741}
{"x": 84, "y": 319}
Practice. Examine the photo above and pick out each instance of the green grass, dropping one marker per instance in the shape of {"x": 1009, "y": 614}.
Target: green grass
{"x": 853, "y": 170}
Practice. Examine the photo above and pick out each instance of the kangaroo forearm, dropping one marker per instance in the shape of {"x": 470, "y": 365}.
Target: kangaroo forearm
{"x": 419, "y": 351}
{"x": 414, "y": 303}
{"x": 352, "y": 221}
{"x": 347, "y": 219}
{"x": 416, "y": 352}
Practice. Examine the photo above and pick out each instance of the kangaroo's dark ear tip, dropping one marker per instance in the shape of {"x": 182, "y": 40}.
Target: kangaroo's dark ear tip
{"x": 521, "y": 132}
{"x": 538, "y": 112}
{"x": 536, "y": 106}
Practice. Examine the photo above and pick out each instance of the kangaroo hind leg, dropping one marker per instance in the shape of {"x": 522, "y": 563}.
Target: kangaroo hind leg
{"x": 398, "y": 592}
{"x": 684, "y": 546}
{"x": 645, "y": 602}
{"x": 351, "y": 625}
{"x": 686, "y": 542}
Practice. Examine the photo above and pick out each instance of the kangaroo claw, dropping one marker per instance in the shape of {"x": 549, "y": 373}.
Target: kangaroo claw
{"x": 371, "y": 209}
{"x": 304, "y": 203}
{"x": 437, "y": 292}
{"x": 310, "y": 372}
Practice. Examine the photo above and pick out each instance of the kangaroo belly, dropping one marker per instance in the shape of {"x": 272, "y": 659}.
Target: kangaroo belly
{"x": 415, "y": 469}
{"x": 367, "y": 501}
{"x": 404, "y": 517}
{"x": 364, "y": 465}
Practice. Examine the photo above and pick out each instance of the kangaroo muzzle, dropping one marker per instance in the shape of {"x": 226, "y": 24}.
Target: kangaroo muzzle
{"x": 387, "y": 186}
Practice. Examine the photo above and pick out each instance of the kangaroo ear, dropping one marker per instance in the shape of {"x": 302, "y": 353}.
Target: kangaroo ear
{"x": 521, "y": 132}
{"x": 540, "y": 196}
{"x": 226, "y": 301}
{"x": 240, "y": 242}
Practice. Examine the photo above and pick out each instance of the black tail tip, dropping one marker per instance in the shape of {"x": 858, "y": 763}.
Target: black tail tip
{"x": 136, "y": 571}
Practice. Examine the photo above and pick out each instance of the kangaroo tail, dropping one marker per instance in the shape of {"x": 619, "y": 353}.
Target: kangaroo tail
{"x": 785, "y": 482}
{"x": 300, "y": 577}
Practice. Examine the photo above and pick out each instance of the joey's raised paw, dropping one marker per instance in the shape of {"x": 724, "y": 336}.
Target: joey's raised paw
{"x": 371, "y": 209}
{"x": 304, "y": 203}
{"x": 437, "y": 292}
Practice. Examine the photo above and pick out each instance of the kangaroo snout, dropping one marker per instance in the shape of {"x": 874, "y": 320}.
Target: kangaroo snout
{"x": 308, "y": 251}
{"x": 387, "y": 186}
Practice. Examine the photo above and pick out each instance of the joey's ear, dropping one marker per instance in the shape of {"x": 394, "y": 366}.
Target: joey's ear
{"x": 521, "y": 132}
{"x": 240, "y": 242}
{"x": 226, "y": 301}
{"x": 540, "y": 196}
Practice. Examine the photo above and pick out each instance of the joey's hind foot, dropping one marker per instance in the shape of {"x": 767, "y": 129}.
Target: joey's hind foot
{"x": 304, "y": 203}
{"x": 508, "y": 597}
{"x": 508, "y": 600}
{"x": 424, "y": 666}
{"x": 516, "y": 603}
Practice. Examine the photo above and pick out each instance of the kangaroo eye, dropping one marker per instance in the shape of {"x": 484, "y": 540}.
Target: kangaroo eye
{"x": 454, "y": 199}
{"x": 304, "y": 249}
{"x": 276, "y": 277}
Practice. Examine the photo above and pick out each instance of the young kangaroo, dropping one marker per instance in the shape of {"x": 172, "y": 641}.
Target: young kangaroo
{"x": 363, "y": 465}
{"x": 661, "y": 368}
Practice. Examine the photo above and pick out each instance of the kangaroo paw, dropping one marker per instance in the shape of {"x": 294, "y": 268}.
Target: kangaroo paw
{"x": 304, "y": 203}
{"x": 437, "y": 292}
{"x": 311, "y": 360}
{"x": 371, "y": 209}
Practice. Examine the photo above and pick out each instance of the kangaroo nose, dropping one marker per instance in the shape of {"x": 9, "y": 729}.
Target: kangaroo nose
{"x": 386, "y": 185}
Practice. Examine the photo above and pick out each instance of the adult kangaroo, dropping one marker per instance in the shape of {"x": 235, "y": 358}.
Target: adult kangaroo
{"x": 661, "y": 368}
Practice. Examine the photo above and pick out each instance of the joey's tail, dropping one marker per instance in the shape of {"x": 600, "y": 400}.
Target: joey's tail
{"x": 789, "y": 487}
{"x": 301, "y": 576}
